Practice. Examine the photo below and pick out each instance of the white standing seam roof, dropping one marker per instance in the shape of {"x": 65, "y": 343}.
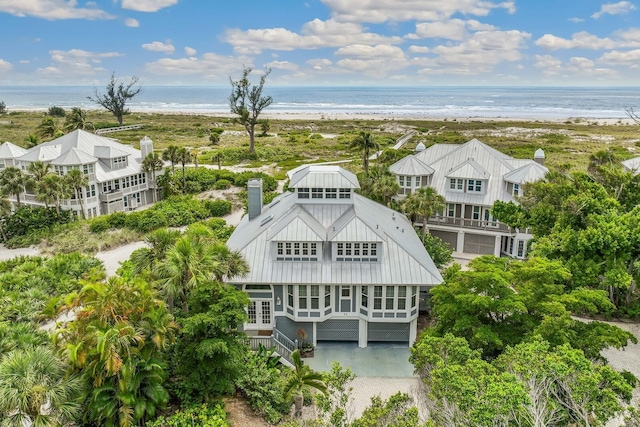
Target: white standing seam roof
{"x": 74, "y": 157}
{"x": 323, "y": 176}
{"x": 106, "y": 152}
{"x": 403, "y": 259}
{"x": 476, "y": 160}
{"x": 80, "y": 146}
{"x": 10, "y": 151}
{"x": 411, "y": 166}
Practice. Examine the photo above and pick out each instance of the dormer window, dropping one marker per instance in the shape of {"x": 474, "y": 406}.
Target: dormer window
{"x": 345, "y": 193}
{"x": 303, "y": 193}
{"x": 316, "y": 193}
{"x": 456, "y": 184}
{"x": 297, "y": 251}
{"x": 474, "y": 185}
{"x": 331, "y": 193}
{"x": 356, "y": 251}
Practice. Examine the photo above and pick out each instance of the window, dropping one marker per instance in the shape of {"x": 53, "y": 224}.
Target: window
{"x": 345, "y": 193}
{"x": 390, "y": 297}
{"x": 511, "y": 246}
{"x": 302, "y": 297}
{"x": 296, "y": 251}
{"x": 331, "y": 193}
{"x": 474, "y": 185}
{"x": 87, "y": 169}
{"x": 356, "y": 251}
{"x": 303, "y": 193}
{"x": 290, "y": 296}
{"x": 327, "y": 296}
{"x": 520, "y": 248}
{"x": 315, "y": 297}
{"x": 401, "y": 180}
{"x": 516, "y": 189}
{"x": 402, "y": 298}
{"x": 365, "y": 296}
{"x": 451, "y": 210}
{"x": 418, "y": 181}
{"x": 456, "y": 184}
{"x": 476, "y": 212}
{"x": 316, "y": 193}
{"x": 414, "y": 296}
{"x": 377, "y": 297}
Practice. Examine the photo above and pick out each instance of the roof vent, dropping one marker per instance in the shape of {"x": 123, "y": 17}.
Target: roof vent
{"x": 266, "y": 220}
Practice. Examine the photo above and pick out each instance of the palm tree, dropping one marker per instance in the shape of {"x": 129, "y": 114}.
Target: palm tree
{"x": 77, "y": 119}
{"x": 423, "y": 204}
{"x": 186, "y": 264}
{"x": 227, "y": 263}
{"x": 364, "y": 143}
{"x": 52, "y": 188}
{"x": 36, "y": 172}
{"x": 302, "y": 377}
{"x": 31, "y": 141}
{"x": 5, "y": 212}
{"x": 12, "y": 181}
{"x": 150, "y": 165}
{"x": 35, "y": 389}
{"x": 170, "y": 154}
{"x": 77, "y": 180}
{"x": 385, "y": 187}
{"x": 159, "y": 241}
{"x": 49, "y": 128}
{"x": 184, "y": 157}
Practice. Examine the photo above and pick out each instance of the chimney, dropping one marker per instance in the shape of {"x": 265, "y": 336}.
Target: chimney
{"x": 146, "y": 147}
{"x": 538, "y": 156}
{"x": 254, "y": 188}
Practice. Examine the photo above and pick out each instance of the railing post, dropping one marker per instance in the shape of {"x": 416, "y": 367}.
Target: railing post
{"x": 296, "y": 343}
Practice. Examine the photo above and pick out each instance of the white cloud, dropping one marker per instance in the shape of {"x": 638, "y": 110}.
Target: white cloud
{"x": 576, "y": 20}
{"x": 132, "y": 23}
{"x": 147, "y": 5}
{"x": 189, "y": 51}
{"x": 619, "y": 8}
{"x": 629, "y": 58}
{"x": 282, "y": 65}
{"x": 419, "y": 49}
{"x": 576, "y": 68}
{"x": 478, "y": 54}
{"x": 454, "y": 29}
{"x": 76, "y": 62}
{"x": 375, "y": 61}
{"x": 52, "y": 9}
{"x": 5, "y": 66}
{"x": 379, "y": 11}
{"x": 319, "y": 63}
{"x": 314, "y": 35}
{"x": 210, "y": 66}
{"x": 156, "y": 46}
{"x": 581, "y": 40}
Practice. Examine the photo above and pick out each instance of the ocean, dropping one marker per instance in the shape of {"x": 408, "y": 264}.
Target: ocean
{"x": 436, "y": 102}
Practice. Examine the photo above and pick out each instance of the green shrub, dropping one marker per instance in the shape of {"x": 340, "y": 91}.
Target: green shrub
{"x": 55, "y": 111}
{"x": 268, "y": 182}
{"x": 201, "y": 416}
{"x": 218, "y": 208}
{"x": 117, "y": 219}
{"x": 29, "y": 220}
{"x": 222, "y": 184}
{"x": 99, "y": 224}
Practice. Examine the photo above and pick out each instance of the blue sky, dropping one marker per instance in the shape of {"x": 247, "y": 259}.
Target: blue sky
{"x": 322, "y": 42}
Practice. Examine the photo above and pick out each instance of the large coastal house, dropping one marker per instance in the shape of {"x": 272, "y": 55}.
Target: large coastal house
{"x": 114, "y": 170}
{"x": 329, "y": 264}
{"x": 471, "y": 177}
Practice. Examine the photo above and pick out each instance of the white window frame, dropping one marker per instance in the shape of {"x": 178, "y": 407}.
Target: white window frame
{"x": 304, "y": 193}
{"x": 475, "y": 186}
{"x": 356, "y": 251}
{"x": 297, "y": 251}
{"x": 456, "y": 184}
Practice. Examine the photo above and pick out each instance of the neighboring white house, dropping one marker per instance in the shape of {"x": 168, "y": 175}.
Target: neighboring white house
{"x": 471, "y": 177}
{"x": 631, "y": 165}
{"x": 331, "y": 262}
{"x": 114, "y": 170}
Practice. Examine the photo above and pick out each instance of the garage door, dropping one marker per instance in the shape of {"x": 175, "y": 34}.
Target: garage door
{"x": 338, "y": 330}
{"x": 446, "y": 236}
{"x": 479, "y": 244}
{"x": 390, "y": 332}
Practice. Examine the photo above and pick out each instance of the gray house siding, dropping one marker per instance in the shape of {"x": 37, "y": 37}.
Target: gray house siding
{"x": 338, "y": 330}
{"x": 290, "y": 328}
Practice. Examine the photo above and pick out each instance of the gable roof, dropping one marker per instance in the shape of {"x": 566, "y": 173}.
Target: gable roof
{"x": 74, "y": 157}
{"x": 323, "y": 176}
{"x": 468, "y": 169}
{"x": 41, "y": 153}
{"x": 10, "y": 151}
{"x": 106, "y": 152}
{"x": 527, "y": 173}
{"x": 411, "y": 166}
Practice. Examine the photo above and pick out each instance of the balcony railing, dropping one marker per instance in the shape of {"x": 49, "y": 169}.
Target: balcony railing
{"x": 470, "y": 223}
{"x": 283, "y": 345}
{"x": 109, "y": 197}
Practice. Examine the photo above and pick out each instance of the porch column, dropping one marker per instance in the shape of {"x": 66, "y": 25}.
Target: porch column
{"x": 497, "y": 246}
{"x": 460, "y": 242}
{"x": 413, "y": 331}
{"x": 362, "y": 333}
{"x": 315, "y": 333}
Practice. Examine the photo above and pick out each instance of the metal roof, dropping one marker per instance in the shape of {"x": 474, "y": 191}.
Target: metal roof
{"x": 74, "y": 157}
{"x": 41, "y": 153}
{"x": 402, "y": 257}
{"x": 476, "y": 160}
{"x": 323, "y": 176}
{"x": 106, "y": 152}
{"x": 632, "y": 165}
{"x": 527, "y": 173}
{"x": 10, "y": 151}
{"x": 411, "y": 166}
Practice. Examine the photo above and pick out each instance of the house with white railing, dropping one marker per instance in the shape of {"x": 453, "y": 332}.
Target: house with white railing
{"x": 471, "y": 177}
{"x": 329, "y": 264}
{"x": 116, "y": 181}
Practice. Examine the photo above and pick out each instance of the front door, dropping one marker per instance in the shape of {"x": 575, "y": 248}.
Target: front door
{"x": 345, "y": 299}
{"x": 260, "y": 315}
